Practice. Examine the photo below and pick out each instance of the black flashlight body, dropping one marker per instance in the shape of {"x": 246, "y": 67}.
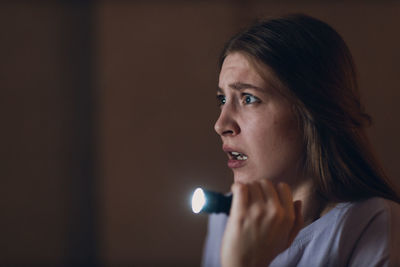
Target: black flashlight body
{"x": 217, "y": 202}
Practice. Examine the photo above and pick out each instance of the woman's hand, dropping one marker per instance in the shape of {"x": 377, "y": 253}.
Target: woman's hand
{"x": 263, "y": 222}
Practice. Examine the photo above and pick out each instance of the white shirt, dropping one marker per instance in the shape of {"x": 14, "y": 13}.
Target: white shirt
{"x": 363, "y": 233}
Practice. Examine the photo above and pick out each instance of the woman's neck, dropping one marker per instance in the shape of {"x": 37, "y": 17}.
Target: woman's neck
{"x": 313, "y": 205}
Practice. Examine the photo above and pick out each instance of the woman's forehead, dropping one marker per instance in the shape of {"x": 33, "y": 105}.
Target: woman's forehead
{"x": 240, "y": 67}
{"x": 237, "y": 68}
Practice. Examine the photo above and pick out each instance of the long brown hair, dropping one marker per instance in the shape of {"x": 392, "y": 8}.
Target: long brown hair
{"x": 318, "y": 75}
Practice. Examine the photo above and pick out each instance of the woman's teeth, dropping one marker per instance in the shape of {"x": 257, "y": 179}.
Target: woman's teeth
{"x": 238, "y": 156}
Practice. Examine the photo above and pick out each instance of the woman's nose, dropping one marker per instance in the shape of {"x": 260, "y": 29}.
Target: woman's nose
{"x": 226, "y": 124}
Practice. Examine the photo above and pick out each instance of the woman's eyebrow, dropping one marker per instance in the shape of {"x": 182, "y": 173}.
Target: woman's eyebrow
{"x": 241, "y": 86}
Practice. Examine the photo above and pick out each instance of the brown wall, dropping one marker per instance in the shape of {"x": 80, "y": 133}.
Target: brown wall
{"x": 47, "y": 202}
{"x": 108, "y": 110}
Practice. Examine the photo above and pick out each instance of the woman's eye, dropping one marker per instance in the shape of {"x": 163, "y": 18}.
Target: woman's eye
{"x": 250, "y": 99}
{"x": 221, "y": 100}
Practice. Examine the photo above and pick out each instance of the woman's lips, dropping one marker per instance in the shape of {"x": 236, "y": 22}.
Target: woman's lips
{"x": 236, "y": 159}
{"x": 234, "y": 163}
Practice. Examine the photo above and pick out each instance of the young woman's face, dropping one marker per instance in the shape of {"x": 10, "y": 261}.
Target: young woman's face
{"x": 258, "y": 129}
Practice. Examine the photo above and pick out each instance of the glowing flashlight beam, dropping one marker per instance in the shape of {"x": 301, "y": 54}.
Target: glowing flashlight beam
{"x": 210, "y": 202}
{"x": 198, "y": 200}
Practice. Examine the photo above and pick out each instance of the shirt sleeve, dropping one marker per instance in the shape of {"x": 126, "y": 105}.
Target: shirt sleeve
{"x": 211, "y": 251}
{"x": 378, "y": 244}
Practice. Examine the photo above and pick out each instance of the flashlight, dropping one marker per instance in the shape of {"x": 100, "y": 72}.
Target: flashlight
{"x": 210, "y": 202}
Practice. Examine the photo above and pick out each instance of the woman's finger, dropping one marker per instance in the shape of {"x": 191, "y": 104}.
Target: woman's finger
{"x": 298, "y": 222}
{"x": 256, "y": 193}
{"x": 239, "y": 201}
{"x": 270, "y": 194}
{"x": 285, "y": 197}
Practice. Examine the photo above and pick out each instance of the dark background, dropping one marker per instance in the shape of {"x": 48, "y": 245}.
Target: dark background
{"x": 107, "y": 113}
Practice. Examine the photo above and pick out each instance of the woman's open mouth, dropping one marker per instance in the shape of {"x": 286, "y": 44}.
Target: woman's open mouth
{"x": 236, "y": 159}
{"x": 237, "y": 155}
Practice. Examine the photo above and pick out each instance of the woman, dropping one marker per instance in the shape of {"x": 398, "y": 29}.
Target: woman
{"x": 307, "y": 189}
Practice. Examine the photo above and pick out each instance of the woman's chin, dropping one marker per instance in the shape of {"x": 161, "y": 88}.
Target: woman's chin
{"x": 244, "y": 178}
